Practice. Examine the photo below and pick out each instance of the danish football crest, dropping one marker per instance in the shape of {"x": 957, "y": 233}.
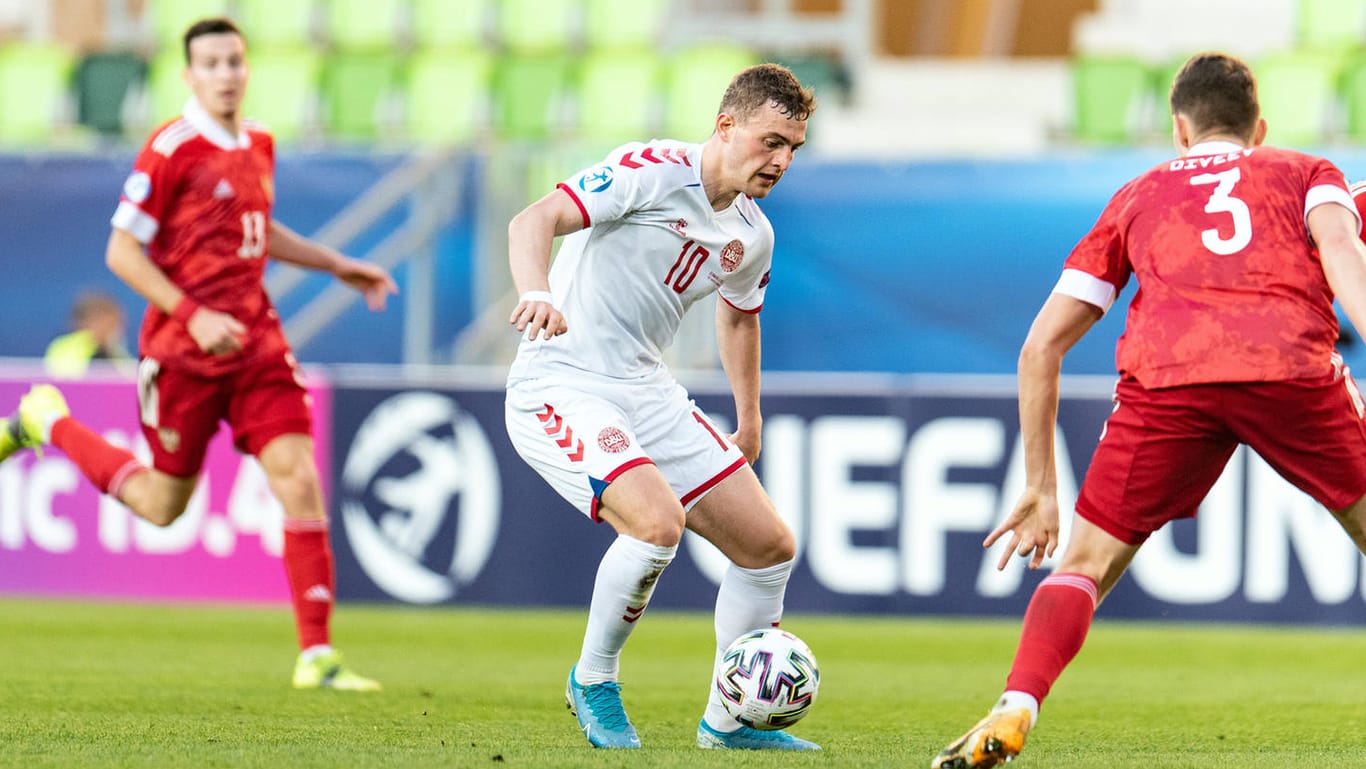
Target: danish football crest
{"x": 732, "y": 255}
{"x": 613, "y": 441}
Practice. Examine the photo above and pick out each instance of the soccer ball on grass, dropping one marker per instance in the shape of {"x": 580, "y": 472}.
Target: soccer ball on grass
{"x": 767, "y": 679}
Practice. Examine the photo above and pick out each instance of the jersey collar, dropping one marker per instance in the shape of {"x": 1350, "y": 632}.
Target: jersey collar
{"x": 1214, "y": 148}
{"x": 210, "y": 129}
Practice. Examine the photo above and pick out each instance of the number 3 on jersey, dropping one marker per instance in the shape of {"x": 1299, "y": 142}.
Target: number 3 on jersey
{"x": 253, "y": 235}
{"x": 1221, "y": 202}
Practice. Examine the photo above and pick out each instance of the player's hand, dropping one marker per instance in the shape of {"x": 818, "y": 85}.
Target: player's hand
{"x": 1034, "y": 529}
{"x": 532, "y": 317}
{"x": 216, "y": 333}
{"x": 373, "y": 281}
{"x": 749, "y": 440}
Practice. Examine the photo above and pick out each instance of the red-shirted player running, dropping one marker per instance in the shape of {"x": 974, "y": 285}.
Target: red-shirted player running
{"x": 1228, "y": 340}
{"x": 191, "y": 234}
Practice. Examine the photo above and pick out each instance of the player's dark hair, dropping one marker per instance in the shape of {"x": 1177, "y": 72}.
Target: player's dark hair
{"x": 756, "y": 86}
{"x": 216, "y": 26}
{"x": 1217, "y": 92}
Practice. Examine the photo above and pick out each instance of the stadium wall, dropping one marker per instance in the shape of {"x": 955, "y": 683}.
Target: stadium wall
{"x": 919, "y": 267}
{"x": 890, "y": 483}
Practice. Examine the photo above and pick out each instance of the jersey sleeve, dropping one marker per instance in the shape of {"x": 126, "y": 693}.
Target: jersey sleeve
{"x": 610, "y": 190}
{"x": 147, "y": 195}
{"x": 748, "y": 296}
{"x": 1099, "y": 267}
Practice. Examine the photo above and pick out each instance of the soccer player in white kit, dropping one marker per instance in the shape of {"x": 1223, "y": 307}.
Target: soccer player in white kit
{"x": 594, "y": 410}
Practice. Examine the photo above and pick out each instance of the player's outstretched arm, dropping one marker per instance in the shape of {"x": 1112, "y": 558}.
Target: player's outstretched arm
{"x": 1343, "y": 256}
{"x": 531, "y": 234}
{"x": 1033, "y": 523}
{"x": 373, "y": 281}
{"x": 737, "y": 340}
{"x": 216, "y": 333}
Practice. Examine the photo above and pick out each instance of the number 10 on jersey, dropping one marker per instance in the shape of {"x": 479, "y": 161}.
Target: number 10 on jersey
{"x": 690, "y": 259}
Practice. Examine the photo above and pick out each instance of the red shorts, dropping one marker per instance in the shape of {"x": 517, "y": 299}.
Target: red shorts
{"x": 1162, "y": 450}
{"x": 180, "y": 412}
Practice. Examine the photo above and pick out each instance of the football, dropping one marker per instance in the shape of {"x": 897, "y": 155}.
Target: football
{"x": 768, "y": 679}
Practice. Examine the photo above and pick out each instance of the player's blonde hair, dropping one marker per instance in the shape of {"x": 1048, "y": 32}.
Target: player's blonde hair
{"x": 761, "y": 84}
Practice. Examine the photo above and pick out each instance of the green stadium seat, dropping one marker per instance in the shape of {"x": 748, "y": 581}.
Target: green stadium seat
{"x": 528, "y": 92}
{"x": 364, "y": 25}
{"x": 275, "y": 23}
{"x": 695, "y": 79}
{"x": 1354, "y": 98}
{"x": 445, "y": 24}
{"x": 1298, "y": 94}
{"x": 33, "y": 91}
{"x": 166, "y": 89}
{"x": 103, "y": 83}
{"x": 616, "y": 92}
{"x": 283, "y": 92}
{"x": 1330, "y": 25}
{"x": 170, "y": 18}
{"x": 537, "y": 27}
{"x": 356, "y": 90}
{"x": 1111, "y": 97}
{"x": 623, "y": 23}
{"x": 446, "y": 95}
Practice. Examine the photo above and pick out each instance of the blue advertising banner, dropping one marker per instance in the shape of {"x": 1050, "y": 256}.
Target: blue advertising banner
{"x": 890, "y": 484}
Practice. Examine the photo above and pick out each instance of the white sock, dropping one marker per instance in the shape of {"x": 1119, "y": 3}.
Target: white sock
{"x": 749, "y": 599}
{"x": 314, "y": 652}
{"x": 1016, "y": 699}
{"x": 626, "y": 579}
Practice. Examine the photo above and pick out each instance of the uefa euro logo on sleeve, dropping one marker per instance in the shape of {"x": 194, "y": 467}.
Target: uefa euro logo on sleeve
{"x": 596, "y": 180}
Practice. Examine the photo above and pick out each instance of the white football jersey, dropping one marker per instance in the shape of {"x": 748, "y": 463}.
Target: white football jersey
{"x": 652, "y": 247}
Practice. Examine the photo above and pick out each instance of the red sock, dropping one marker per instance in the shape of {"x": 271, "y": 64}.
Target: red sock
{"x": 106, "y": 465}
{"x": 312, "y": 581}
{"x": 1055, "y": 626}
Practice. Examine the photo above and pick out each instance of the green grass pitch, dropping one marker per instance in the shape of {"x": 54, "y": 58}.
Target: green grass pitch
{"x": 105, "y": 685}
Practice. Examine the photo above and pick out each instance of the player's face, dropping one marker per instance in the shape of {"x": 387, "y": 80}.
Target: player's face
{"x": 762, "y": 147}
{"x": 217, "y": 73}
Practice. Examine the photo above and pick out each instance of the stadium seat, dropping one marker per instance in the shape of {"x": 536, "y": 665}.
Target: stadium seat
{"x": 1111, "y": 98}
{"x": 170, "y": 18}
{"x": 275, "y": 23}
{"x": 615, "y": 95}
{"x": 364, "y": 25}
{"x": 33, "y": 90}
{"x": 104, "y": 82}
{"x": 1354, "y": 98}
{"x": 695, "y": 79}
{"x": 528, "y": 92}
{"x": 166, "y": 90}
{"x": 1298, "y": 93}
{"x": 1330, "y": 25}
{"x": 356, "y": 90}
{"x": 446, "y": 95}
{"x": 623, "y": 23}
{"x": 444, "y": 24}
{"x": 283, "y": 91}
{"x": 537, "y": 27}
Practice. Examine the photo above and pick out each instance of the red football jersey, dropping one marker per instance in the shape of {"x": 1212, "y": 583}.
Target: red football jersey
{"x": 200, "y": 200}
{"x": 1230, "y": 288}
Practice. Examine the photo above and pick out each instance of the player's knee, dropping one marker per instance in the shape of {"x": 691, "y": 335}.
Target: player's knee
{"x": 663, "y": 530}
{"x": 297, "y": 488}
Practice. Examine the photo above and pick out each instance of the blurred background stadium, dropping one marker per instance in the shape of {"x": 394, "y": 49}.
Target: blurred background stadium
{"x": 960, "y": 149}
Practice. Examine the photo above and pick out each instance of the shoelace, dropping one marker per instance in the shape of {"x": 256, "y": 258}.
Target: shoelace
{"x": 604, "y": 700}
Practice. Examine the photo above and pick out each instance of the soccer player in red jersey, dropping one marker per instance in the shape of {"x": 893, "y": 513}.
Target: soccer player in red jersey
{"x": 1239, "y": 251}
{"x": 191, "y": 234}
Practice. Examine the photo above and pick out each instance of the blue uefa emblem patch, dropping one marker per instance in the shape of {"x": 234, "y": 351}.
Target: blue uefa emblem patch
{"x": 597, "y": 180}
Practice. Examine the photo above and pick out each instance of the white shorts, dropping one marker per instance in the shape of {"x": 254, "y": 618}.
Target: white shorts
{"x": 581, "y": 433}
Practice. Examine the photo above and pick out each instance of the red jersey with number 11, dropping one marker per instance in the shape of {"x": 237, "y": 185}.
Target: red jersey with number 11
{"x": 200, "y": 200}
{"x": 1230, "y": 288}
